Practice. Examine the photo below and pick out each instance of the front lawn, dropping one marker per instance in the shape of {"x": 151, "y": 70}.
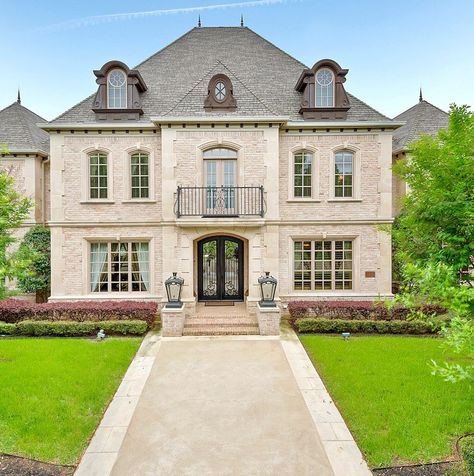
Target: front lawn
{"x": 54, "y": 392}
{"x": 397, "y": 411}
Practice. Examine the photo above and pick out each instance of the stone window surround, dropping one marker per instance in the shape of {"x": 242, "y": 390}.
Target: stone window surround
{"x": 315, "y": 174}
{"x": 85, "y": 182}
{"x": 329, "y": 237}
{"x": 219, "y": 143}
{"x": 128, "y": 179}
{"x": 86, "y": 266}
{"x": 356, "y": 173}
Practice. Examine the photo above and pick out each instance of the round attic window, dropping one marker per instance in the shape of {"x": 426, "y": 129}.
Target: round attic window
{"x": 220, "y": 91}
{"x": 324, "y": 77}
{"x": 116, "y": 78}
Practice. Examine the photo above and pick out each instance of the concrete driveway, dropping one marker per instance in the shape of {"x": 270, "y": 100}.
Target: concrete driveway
{"x": 223, "y": 406}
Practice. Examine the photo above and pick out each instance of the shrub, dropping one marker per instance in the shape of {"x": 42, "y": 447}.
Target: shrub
{"x": 466, "y": 445}
{"x": 77, "y": 329}
{"x": 15, "y": 310}
{"x": 336, "y": 326}
{"x": 355, "y": 310}
{"x": 7, "y": 329}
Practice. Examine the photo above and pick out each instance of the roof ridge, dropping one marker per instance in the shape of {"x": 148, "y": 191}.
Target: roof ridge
{"x": 248, "y": 89}
{"x": 417, "y": 105}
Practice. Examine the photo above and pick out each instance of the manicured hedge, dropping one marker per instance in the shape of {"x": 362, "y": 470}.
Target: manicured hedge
{"x": 354, "y": 310}
{"x": 318, "y": 325}
{"x": 466, "y": 445}
{"x": 15, "y": 310}
{"x": 73, "y": 329}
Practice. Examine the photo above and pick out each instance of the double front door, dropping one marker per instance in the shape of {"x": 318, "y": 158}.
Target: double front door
{"x": 220, "y": 269}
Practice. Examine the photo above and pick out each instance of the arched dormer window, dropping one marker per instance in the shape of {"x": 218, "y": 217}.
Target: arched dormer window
{"x": 116, "y": 89}
{"x": 324, "y": 88}
{"x": 220, "y": 94}
{"x": 323, "y": 94}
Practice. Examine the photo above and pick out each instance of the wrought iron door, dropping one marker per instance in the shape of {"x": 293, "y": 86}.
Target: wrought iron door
{"x": 220, "y": 269}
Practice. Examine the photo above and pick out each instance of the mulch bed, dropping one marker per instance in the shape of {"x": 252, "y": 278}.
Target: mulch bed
{"x": 17, "y": 466}
{"x": 433, "y": 469}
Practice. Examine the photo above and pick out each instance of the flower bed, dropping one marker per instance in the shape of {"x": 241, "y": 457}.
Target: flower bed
{"x": 355, "y": 310}
{"x": 14, "y": 310}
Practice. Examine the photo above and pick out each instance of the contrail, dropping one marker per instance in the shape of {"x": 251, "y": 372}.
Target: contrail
{"x": 98, "y": 19}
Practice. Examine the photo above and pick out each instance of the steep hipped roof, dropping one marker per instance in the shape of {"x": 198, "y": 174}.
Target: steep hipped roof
{"x": 263, "y": 77}
{"x": 18, "y": 130}
{"x": 422, "y": 118}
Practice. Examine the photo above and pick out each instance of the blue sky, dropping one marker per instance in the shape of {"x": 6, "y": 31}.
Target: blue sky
{"x": 49, "y": 48}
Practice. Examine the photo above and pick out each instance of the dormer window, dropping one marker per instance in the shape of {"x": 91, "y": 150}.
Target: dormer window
{"x": 119, "y": 94}
{"x": 220, "y": 94}
{"x": 324, "y": 88}
{"x": 324, "y": 97}
{"x": 116, "y": 89}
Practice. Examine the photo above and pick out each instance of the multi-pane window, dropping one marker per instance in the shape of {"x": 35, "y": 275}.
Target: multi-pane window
{"x": 343, "y": 173}
{"x": 117, "y": 89}
{"x": 119, "y": 266}
{"x": 98, "y": 179}
{"x": 140, "y": 175}
{"x": 324, "y": 88}
{"x": 320, "y": 265}
{"x": 302, "y": 174}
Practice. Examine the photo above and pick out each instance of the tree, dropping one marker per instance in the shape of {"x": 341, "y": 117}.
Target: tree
{"x": 13, "y": 211}
{"x": 35, "y": 252}
{"x": 437, "y": 220}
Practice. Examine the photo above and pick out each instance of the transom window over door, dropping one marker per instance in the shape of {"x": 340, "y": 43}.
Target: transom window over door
{"x": 119, "y": 267}
{"x": 320, "y": 265}
{"x": 302, "y": 174}
{"x": 220, "y": 178}
{"x": 343, "y": 173}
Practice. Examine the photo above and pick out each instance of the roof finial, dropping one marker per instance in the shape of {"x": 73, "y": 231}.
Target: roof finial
{"x": 241, "y": 20}
{"x": 199, "y": 21}
{"x": 421, "y": 95}
{"x": 18, "y": 99}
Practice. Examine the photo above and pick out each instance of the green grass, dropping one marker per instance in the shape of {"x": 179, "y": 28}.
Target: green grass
{"x": 397, "y": 411}
{"x": 54, "y": 392}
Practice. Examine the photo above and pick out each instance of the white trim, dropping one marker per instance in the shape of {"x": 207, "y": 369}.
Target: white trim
{"x": 85, "y": 178}
{"x": 315, "y": 172}
{"x": 356, "y": 172}
{"x": 127, "y": 155}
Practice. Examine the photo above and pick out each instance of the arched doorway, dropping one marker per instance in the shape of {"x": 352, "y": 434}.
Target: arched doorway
{"x": 220, "y": 269}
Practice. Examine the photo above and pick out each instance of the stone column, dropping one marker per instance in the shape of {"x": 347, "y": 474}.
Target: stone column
{"x": 172, "y": 321}
{"x": 269, "y": 320}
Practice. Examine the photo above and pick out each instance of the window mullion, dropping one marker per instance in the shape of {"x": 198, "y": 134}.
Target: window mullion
{"x": 333, "y": 265}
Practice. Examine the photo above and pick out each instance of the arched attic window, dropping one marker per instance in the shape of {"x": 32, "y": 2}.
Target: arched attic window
{"x": 116, "y": 89}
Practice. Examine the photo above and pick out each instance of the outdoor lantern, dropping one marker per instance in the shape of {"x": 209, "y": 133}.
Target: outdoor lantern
{"x": 268, "y": 286}
{"x": 173, "y": 285}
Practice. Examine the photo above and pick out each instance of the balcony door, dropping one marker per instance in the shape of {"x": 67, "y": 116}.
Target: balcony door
{"x": 220, "y": 180}
{"x": 220, "y": 269}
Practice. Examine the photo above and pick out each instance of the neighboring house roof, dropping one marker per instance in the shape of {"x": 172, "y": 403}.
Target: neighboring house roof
{"x": 18, "y": 130}
{"x": 422, "y": 118}
{"x": 263, "y": 78}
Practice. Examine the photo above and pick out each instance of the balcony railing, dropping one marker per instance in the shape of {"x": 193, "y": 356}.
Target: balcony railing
{"x": 220, "y": 201}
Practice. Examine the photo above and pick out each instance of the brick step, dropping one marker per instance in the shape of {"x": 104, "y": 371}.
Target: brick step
{"x": 220, "y": 322}
{"x": 220, "y": 331}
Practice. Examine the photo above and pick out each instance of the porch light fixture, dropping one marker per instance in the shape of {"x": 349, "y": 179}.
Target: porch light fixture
{"x": 174, "y": 285}
{"x": 268, "y": 286}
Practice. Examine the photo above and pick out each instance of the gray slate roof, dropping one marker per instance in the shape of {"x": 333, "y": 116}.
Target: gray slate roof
{"x": 422, "y": 118}
{"x": 263, "y": 77}
{"x": 18, "y": 130}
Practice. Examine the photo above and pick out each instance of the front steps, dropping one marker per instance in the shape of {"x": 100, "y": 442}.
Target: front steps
{"x": 209, "y": 325}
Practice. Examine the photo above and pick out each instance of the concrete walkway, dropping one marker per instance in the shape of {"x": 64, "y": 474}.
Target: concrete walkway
{"x": 222, "y": 406}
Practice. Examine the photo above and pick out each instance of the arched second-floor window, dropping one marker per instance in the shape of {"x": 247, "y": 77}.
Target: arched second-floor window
{"x": 98, "y": 175}
{"x": 117, "y": 89}
{"x": 324, "y": 79}
{"x": 303, "y": 174}
{"x": 344, "y": 174}
{"x": 140, "y": 175}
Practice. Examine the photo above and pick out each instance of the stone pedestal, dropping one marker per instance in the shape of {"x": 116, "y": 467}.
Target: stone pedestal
{"x": 172, "y": 321}
{"x": 269, "y": 320}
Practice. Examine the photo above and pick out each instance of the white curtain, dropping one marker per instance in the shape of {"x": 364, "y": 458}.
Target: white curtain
{"x": 143, "y": 265}
{"x": 99, "y": 253}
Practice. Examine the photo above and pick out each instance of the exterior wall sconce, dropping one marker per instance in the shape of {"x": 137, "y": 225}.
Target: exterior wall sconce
{"x": 174, "y": 285}
{"x": 268, "y": 286}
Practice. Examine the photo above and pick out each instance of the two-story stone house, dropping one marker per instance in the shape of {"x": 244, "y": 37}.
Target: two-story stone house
{"x": 221, "y": 157}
